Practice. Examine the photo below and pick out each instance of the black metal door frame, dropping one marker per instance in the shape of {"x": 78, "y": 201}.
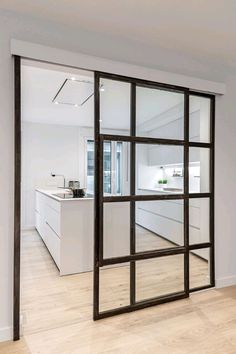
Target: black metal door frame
{"x": 17, "y": 197}
{"x": 100, "y": 199}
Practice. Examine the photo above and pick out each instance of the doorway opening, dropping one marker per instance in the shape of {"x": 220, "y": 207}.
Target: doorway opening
{"x": 114, "y": 197}
{"x": 57, "y": 121}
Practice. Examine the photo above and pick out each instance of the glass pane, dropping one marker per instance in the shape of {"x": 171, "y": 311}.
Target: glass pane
{"x": 160, "y": 113}
{"x": 159, "y": 169}
{"x": 159, "y": 224}
{"x": 199, "y": 267}
{"x": 159, "y": 276}
{"x": 107, "y": 169}
{"x": 116, "y": 168}
{"x": 199, "y": 170}
{"x": 199, "y": 119}
{"x": 199, "y": 220}
{"x": 114, "y": 286}
{"x": 90, "y": 166}
{"x": 118, "y": 157}
{"x": 114, "y": 107}
{"x": 116, "y": 229}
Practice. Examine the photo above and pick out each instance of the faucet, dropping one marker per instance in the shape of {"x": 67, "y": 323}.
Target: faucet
{"x": 64, "y": 180}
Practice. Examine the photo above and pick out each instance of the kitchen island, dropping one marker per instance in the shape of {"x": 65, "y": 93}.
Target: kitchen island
{"x": 66, "y": 227}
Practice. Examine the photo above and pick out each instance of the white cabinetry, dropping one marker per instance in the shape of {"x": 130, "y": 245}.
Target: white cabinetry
{"x": 161, "y": 155}
{"x": 47, "y": 215}
{"x": 66, "y": 228}
{"x": 165, "y": 155}
{"x": 165, "y": 218}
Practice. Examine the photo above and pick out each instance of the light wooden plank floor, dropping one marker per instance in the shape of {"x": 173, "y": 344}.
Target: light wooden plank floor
{"x": 57, "y": 310}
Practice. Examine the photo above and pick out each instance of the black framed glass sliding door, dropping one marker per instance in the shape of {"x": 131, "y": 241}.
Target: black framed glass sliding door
{"x": 154, "y": 224}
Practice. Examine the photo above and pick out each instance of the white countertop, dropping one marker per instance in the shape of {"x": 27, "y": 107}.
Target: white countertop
{"x": 50, "y": 193}
{"x": 161, "y": 190}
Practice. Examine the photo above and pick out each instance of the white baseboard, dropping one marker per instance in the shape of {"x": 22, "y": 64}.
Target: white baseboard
{"x": 5, "y": 334}
{"x": 226, "y": 281}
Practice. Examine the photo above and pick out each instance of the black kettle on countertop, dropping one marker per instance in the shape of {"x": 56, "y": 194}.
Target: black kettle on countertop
{"x": 78, "y": 192}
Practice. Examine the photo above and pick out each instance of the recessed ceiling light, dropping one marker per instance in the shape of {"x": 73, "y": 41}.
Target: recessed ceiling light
{"x": 102, "y": 89}
{"x": 56, "y": 102}
{"x": 100, "y": 120}
{"x": 72, "y": 78}
{"x": 75, "y": 105}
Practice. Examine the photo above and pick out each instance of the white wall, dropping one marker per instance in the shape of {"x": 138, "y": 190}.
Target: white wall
{"x": 49, "y": 34}
{"x": 46, "y": 148}
{"x": 58, "y": 149}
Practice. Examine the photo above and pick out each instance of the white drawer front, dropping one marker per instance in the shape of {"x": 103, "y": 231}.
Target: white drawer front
{"x": 53, "y": 244}
{"x": 53, "y": 204}
{"x": 52, "y": 217}
{"x": 39, "y": 203}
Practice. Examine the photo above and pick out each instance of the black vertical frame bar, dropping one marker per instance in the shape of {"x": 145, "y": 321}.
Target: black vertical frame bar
{"x": 211, "y": 194}
{"x": 132, "y": 191}
{"x": 186, "y": 193}
{"x": 97, "y": 197}
{"x": 17, "y": 197}
{"x": 212, "y": 190}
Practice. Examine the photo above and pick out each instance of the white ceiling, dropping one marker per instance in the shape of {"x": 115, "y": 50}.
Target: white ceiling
{"x": 41, "y": 82}
{"x": 199, "y": 28}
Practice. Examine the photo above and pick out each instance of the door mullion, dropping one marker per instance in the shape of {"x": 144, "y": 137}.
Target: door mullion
{"x": 186, "y": 192}
{"x": 132, "y": 192}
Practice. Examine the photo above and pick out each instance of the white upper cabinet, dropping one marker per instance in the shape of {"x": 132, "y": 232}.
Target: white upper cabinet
{"x": 165, "y": 155}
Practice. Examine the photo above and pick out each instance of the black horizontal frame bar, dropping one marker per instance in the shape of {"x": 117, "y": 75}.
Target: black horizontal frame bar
{"x": 200, "y": 195}
{"x": 153, "y": 254}
{"x": 143, "y": 255}
{"x": 141, "y": 140}
{"x": 200, "y": 145}
{"x": 200, "y": 246}
{"x": 153, "y": 141}
{"x": 142, "y": 305}
{"x": 129, "y": 198}
{"x": 146, "y": 197}
{"x": 199, "y": 288}
{"x": 143, "y": 83}
{"x": 201, "y": 94}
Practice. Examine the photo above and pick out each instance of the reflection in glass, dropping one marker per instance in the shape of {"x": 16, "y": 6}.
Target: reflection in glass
{"x": 199, "y": 270}
{"x": 199, "y": 170}
{"x": 107, "y": 167}
{"x": 199, "y": 220}
{"x": 159, "y": 169}
{"x": 199, "y": 119}
{"x": 90, "y": 166}
{"x": 116, "y": 229}
{"x": 160, "y": 113}
{"x": 159, "y": 224}
{"x": 114, "y": 107}
{"x": 114, "y": 286}
{"x": 159, "y": 276}
{"x": 116, "y": 168}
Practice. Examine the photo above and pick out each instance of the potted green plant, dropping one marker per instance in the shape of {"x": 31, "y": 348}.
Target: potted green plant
{"x": 162, "y": 182}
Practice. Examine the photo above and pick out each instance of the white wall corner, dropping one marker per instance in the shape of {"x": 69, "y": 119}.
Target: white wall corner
{"x": 226, "y": 281}
{"x": 6, "y": 333}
